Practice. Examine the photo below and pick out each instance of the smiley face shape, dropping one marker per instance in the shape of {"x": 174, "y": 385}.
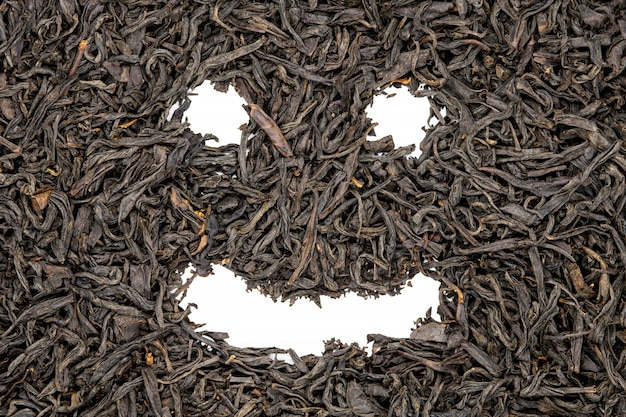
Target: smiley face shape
{"x": 515, "y": 204}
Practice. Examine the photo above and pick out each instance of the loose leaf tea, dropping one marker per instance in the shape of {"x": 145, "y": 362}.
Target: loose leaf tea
{"x": 515, "y": 205}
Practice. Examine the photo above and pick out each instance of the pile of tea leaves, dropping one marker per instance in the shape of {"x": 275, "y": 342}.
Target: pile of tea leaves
{"x": 516, "y": 204}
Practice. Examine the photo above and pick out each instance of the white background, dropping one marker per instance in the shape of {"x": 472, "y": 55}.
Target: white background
{"x": 255, "y": 321}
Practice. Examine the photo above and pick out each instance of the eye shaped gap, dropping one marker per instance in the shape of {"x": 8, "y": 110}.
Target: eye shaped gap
{"x": 216, "y": 113}
{"x": 406, "y": 117}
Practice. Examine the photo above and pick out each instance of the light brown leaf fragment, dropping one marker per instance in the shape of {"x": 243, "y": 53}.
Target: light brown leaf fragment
{"x": 40, "y": 199}
{"x": 272, "y": 130}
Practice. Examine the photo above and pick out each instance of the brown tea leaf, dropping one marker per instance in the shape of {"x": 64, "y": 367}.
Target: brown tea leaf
{"x": 40, "y": 199}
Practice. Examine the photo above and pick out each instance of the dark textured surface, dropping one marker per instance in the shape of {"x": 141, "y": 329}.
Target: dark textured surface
{"x": 515, "y": 204}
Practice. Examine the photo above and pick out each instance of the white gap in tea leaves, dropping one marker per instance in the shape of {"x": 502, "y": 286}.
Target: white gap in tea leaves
{"x": 400, "y": 114}
{"x": 252, "y": 320}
